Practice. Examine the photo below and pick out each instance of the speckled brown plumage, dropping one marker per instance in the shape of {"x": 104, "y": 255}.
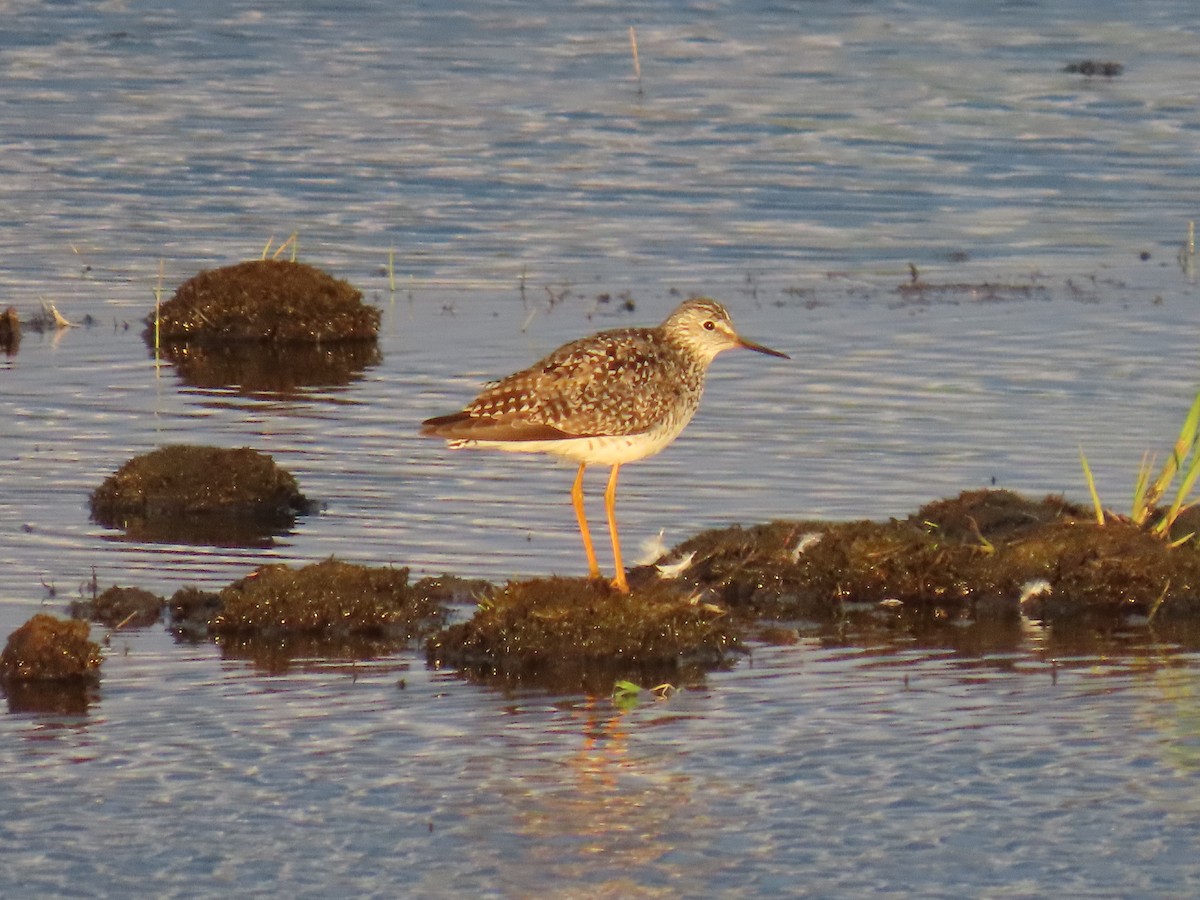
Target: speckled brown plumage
{"x": 617, "y": 382}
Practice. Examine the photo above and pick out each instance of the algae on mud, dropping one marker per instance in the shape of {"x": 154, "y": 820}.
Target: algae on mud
{"x": 330, "y": 609}
{"x": 49, "y": 649}
{"x": 265, "y": 301}
{"x": 964, "y": 566}
{"x": 572, "y": 633}
{"x": 329, "y": 597}
{"x": 194, "y": 494}
{"x": 120, "y": 607}
{"x": 959, "y": 559}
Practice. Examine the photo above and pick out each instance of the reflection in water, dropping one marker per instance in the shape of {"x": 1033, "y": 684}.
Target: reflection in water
{"x": 1177, "y": 716}
{"x": 280, "y": 653}
{"x": 56, "y": 698}
{"x": 596, "y": 816}
{"x": 272, "y": 371}
{"x": 201, "y": 530}
{"x": 592, "y": 678}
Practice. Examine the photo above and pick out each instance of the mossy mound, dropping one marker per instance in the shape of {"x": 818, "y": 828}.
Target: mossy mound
{"x": 332, "y": 598}
{"x": 994, "y": 515}
{"x": 814, "y": 569}
{"x": 984, "y": 554}
{"x": 193, "y": 494}
{"x": 119, "y": 606}
{"x": 1114, "y": 570}
{"x": 571, "y": 633}
{"x": 50, "y": 649}
{"x": 266, "y": 301}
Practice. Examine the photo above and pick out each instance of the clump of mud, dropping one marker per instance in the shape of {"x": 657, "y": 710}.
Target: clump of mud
{"x": 48, "y": 649}
{"x": 984, "y": 554}
{"x": 330, "y": 597}
{"x": 572, "y": 633}
{"x": 328, "y": 610}
{"x": 120, "y": 607}
{"x": 206, "y": 495}
{"x": 265, "y": 301}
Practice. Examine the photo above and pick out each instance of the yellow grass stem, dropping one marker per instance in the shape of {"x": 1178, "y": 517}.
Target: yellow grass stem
{"x": 637, "y": 63}
{"x": 1091, "y": 483}
{"x": 1185, "y": 447}
{"x": 1159, "y": 602}
{"x": 158, "y": 292}
{"x": 1141, "y": 506}
{"x": 293, "y": 239}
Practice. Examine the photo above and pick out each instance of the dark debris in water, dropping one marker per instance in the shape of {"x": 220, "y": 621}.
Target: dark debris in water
{"x": 10, "y": 331}
{"x": 192, "y": 494}
{"x": 120, "y": 607}
{"x": 265, "y": 301}
{"x": 1093, "y": 67}
{"x": 573, "y": 633}
{"x": 918, "y": 290}
{"x": 190, "y": 610}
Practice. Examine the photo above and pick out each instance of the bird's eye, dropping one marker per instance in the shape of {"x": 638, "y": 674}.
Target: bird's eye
{"x": 710, "y": 325}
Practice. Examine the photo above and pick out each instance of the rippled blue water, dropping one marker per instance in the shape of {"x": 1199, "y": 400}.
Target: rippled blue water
{"x": 791, "y": 159}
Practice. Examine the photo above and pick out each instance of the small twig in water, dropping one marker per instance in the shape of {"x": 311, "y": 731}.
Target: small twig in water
{"x": 637, "y": 63}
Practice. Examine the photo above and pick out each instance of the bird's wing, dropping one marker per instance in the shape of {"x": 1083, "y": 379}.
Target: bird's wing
{"x": 614, "y": 383}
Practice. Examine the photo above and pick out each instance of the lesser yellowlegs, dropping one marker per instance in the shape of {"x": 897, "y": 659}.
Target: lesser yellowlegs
{"x": 609, "y": 399}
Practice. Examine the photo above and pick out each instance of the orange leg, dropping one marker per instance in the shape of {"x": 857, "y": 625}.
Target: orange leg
{"x": 610, "y": 507}
{"x": 577, "y": 502}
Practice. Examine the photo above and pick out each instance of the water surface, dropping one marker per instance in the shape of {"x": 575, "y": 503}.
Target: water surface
{"x": 790, "y": 159}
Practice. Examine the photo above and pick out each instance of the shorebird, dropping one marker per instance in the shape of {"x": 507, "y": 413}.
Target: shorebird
{"x": 609, "y": 399}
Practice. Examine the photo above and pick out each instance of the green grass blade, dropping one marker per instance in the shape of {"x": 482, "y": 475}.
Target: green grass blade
{"x": 1141, "y": 502}
{"x": 1184, "y": 445}
{"x": 1185, "y": 490}
{"x": 1091, "y": 483}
